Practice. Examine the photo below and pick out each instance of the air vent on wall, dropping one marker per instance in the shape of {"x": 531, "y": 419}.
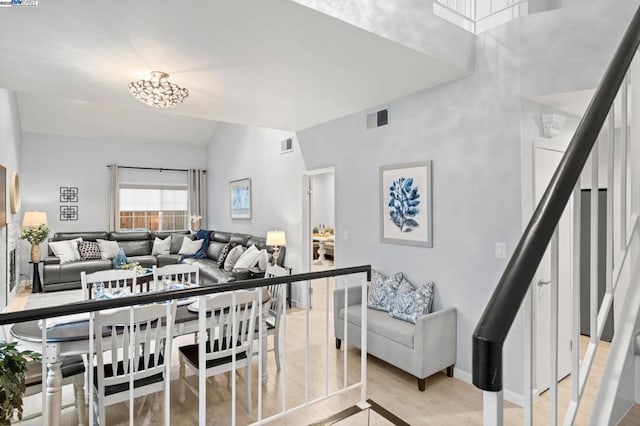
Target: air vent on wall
{"x": 286, "y": 146}
{"x": 377, "y": 119}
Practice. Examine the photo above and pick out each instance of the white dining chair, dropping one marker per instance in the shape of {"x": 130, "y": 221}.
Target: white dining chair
{"x": 133, "y": 349}
{"x": 232, "y": 332}
{"x": 179, "y": 273}
{"x": 109, "y": 281}
{"x": 275, "y": 309}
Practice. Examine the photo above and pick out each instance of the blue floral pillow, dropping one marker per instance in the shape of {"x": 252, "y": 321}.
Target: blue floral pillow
{"x": 382, "y": 291}
{"x": 411, "y": 303}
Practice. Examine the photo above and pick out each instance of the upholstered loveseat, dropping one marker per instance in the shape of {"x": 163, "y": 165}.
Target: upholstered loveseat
{"x": 138, "y": 248}
{"x": 420, "y": 349}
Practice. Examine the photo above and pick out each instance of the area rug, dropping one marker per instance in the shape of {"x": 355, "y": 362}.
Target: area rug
{"x": 55, "y": 298}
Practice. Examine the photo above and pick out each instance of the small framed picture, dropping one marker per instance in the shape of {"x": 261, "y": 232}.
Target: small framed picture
{"x": 240, "y": 198}
{"x": 406, "y": 213}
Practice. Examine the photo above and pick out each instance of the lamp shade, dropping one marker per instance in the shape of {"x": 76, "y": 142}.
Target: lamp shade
{"x": 34, "y": 219}
{"x": 276, "y": 238}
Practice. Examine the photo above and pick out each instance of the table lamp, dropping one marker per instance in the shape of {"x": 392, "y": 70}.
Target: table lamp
{"x": 276, "y": 239}
{"x": 33, "y": 220}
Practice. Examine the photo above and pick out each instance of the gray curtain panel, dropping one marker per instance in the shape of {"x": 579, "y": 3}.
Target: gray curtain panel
{"x": 197, "y": 191}
{"x": 114, "y": 197}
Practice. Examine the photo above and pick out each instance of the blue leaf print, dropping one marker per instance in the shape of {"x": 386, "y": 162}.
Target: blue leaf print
{"x": 403, "y": 203}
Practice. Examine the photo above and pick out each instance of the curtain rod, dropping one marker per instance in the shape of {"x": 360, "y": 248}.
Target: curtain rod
{"x": 160, "y": 169}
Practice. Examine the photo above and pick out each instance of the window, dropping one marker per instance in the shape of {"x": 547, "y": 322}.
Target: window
{"x": 153, "y": 208}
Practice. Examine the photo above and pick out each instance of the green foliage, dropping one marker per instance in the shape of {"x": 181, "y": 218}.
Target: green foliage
{"x": 36, "y": 235}
{"x": 13, "y": 376}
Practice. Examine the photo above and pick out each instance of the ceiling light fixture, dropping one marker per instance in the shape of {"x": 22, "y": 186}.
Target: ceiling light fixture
{"x": 158, "y": 92}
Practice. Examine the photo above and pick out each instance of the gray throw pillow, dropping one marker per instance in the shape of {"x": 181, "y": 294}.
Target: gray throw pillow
{"x": 232, "y": 258}
{"x": 161, "y": 246}
{"x": 382, "y": 291}
{"x": 412, "y": 303}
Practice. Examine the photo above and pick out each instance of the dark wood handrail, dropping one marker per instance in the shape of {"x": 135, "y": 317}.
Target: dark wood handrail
{"x": 143, "y": 298}
{"x": 500, "y": 312}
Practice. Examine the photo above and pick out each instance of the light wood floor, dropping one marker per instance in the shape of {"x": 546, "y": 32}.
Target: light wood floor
{"x": 446, "y": 401}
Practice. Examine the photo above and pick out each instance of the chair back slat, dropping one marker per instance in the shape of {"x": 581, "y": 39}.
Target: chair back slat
{"x": 180, "y": 273}
{"x": 234, "y": 331}
{"x": 111, "y": 280}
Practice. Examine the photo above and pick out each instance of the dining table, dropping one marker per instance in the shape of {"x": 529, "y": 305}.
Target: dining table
{"x": 67, "y": 339}
{"x": 321, "y": 239}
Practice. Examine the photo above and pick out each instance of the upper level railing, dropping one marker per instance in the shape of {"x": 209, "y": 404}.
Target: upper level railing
{"x": 57, "y": 343}
{"x": 499, "y": 314}
{"x": 477, "y": 16}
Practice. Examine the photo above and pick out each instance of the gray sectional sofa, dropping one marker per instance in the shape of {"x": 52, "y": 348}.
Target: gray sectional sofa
{"x": 138, "y": 247}
{"x": 420, "y": 349}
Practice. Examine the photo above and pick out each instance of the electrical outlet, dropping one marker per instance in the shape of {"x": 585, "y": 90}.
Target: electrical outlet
{"x": 501, "y": 250}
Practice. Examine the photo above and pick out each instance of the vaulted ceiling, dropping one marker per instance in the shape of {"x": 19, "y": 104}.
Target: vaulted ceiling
{"x": 272, "y": 63}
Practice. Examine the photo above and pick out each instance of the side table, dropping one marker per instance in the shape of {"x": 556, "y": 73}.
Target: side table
{"x": 36, "y": 284}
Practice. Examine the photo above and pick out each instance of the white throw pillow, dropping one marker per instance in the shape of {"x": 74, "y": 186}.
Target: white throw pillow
{"x": 67, "y": 251}
{"x": 232, "y": 257}
{"x": 108, "y": 249}
{"x": 161, "y": 246}
{"x": 249, "y": 258}
{"x": 190, "y": 247}
{"x": 263, "y": 260}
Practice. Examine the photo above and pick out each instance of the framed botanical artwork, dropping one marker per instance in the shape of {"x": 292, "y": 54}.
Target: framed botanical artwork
{"x": 406, "y": 213}
{"x": 240, "y": 193}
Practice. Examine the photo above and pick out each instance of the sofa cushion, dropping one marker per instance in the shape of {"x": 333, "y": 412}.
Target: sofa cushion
{"x": 190, "y": 247}
{"x": 161, "y": 246}
{"x": 248, "y": 258}
{"x": 176, "y": 239}
{"x": 89, "y": 250}
{"x": 214, "y": 251}
{"x": 209, "y": 271}
{"x": 108, "y": 249}
{"x": 146, "y": 261}
{"x": 411, "y": 303}
{"x": 71, "y": 271}
{"x": 382, "y": 291}
{"x": 168, "y": 259}
{"x": 222, "y": 255}
{"x": 232, "y": 258}
{"x": 66, "y": 250}
{"x": 382, "y": 324}
{"x": 86, "y": 236}
{"x": 133, "y": 243}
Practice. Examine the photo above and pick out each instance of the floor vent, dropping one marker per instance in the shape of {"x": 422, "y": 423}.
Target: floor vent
{"x": 378, "y": 118}
{"x": 286, "y": 146}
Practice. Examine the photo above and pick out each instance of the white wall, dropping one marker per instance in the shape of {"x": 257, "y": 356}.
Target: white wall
{"x": 322, "y": 200}
{"x": 10, "y": 140}
{"x": 50, "y": 162}
{"x": 238, "y": 152}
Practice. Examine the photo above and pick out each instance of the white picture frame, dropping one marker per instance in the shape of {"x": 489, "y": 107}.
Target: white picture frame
{"x": 406, "y": 210}
{"x": 240, "y": 198}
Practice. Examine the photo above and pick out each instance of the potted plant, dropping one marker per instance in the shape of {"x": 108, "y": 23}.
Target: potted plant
{"x": 13, "y": 377}
{"x": 35, "y": 236}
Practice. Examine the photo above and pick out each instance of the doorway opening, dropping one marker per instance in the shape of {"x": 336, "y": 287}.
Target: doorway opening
{"x": 319, "y": 229}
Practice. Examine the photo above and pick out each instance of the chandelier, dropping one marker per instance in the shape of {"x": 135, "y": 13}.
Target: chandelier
{"x": 158, "y": 92}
